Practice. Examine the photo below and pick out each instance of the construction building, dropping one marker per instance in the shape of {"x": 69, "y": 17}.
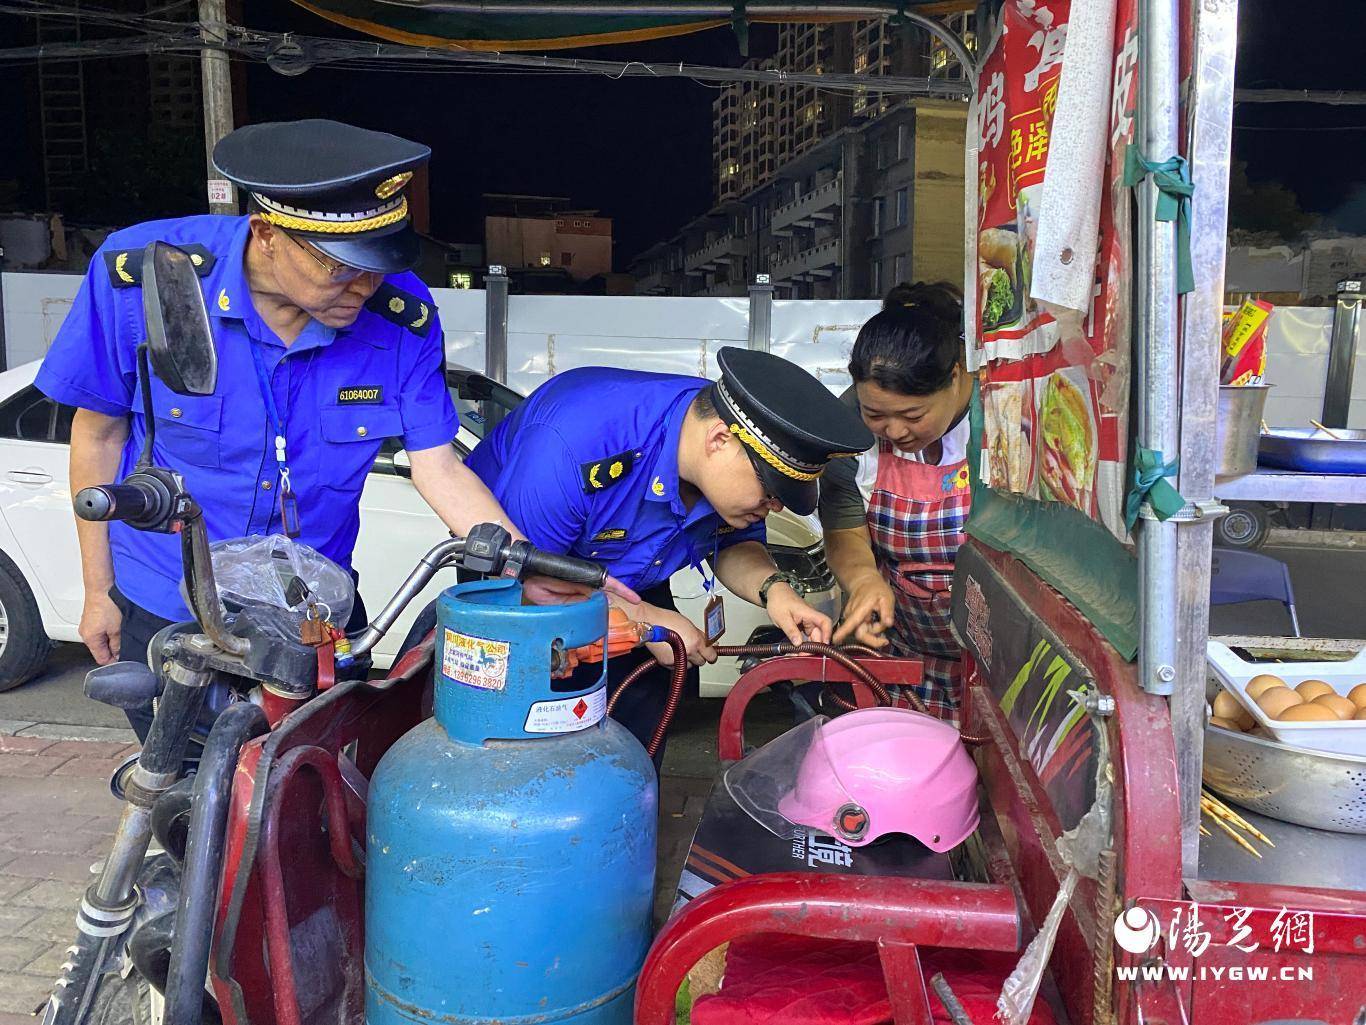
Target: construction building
{"x": 81, "y": 104}
{"x": 833, "y": 195}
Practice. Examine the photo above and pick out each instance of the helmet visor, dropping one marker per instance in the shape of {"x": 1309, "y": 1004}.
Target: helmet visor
{"x": 791, "y": 782}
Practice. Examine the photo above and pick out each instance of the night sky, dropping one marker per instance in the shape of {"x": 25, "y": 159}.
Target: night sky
{"x": 640, "y": 150}
{"x": 1318, "y": 152}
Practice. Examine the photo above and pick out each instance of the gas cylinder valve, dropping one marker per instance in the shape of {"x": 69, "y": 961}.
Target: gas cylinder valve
{"x": 623, "y": 635}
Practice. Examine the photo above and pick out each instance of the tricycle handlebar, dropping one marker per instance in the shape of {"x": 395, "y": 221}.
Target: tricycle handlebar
{"x": 155, "y": 499}
{"x": 487, "y": 549}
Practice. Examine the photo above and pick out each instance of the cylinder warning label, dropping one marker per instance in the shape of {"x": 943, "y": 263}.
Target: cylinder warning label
{"x": 474, "y": 661}
{"x": 567, "y": 715}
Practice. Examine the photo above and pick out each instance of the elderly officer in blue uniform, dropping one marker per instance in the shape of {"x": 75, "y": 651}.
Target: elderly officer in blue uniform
{"x": 648, "y": 473}
{"x": 327, "y": 345}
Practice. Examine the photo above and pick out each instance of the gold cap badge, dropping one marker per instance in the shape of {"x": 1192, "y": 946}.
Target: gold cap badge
{"x": 389, "y": 186}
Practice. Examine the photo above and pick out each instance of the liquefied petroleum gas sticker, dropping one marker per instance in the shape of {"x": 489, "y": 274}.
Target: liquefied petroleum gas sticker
{"x": 474, "y": 661}
{"x": 567, "y": 715}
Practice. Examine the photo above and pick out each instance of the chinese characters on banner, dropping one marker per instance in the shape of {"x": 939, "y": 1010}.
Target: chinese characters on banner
{"x": 1055, "y": 401}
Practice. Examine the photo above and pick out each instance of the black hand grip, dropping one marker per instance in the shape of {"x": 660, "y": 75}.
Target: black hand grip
{"x": 564, "y": 567}
{"x": 122, "y": 684}
{"x": 114, "y": 502}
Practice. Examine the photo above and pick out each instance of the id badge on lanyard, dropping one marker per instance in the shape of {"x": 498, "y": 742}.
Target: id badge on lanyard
{"x": 714, "y": 614}
{"x": 715, "y": 619}
{"x": 289, "y": 505}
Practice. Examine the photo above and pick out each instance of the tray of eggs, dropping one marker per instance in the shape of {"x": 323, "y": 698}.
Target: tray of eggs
{"x": 1315, "y": 705}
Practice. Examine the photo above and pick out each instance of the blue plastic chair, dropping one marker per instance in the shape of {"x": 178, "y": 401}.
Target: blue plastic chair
{"x": 1238, "y": 576}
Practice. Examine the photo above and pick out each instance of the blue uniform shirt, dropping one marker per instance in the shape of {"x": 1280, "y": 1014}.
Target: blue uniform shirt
{"x": 588, "y": 466}
{"x": 339, "y": 394}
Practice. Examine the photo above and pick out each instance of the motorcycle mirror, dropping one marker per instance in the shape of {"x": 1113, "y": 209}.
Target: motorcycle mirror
{"x": 179, "y": 339}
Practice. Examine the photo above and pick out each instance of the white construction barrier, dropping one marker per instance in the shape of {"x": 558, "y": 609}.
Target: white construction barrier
{"x": 548, "y": 334}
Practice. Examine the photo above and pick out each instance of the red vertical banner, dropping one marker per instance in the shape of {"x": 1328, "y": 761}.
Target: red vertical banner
{"x": 1055, "y": 397}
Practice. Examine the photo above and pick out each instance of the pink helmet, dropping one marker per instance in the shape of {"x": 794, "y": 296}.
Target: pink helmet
{"x": 861, "y": 776}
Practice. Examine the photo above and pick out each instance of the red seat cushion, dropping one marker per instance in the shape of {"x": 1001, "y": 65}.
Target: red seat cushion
{"x": 776, "y": 979}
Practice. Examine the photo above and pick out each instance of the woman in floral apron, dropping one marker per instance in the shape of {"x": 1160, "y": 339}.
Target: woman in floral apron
{"x": 894, "y": 517}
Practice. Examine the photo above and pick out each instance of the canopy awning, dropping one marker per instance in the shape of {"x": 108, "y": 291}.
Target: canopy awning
{"x": 550, "y": 25}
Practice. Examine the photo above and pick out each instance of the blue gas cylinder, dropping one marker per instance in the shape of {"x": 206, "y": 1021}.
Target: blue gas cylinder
{"x": 510, "y": 849}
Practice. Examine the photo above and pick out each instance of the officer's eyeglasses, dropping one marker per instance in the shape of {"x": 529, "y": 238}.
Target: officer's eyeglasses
{"x": 769, "y": 496}
{"x": 335, "y": 269}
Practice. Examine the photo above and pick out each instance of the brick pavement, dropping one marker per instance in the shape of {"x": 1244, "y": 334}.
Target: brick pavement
{"x": 56, "y": 819}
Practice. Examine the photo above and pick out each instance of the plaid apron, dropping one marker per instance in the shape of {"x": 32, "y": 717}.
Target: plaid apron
{"x": 915, "y": 519}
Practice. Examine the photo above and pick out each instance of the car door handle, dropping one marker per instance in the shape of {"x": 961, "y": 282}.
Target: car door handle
{"x": 29, "y": 477}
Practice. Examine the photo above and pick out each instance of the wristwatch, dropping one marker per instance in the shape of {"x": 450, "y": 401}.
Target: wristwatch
{"x": 781, "y": 577}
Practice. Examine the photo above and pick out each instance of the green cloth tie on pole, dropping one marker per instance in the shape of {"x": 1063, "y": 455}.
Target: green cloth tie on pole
{"x": 1174, "y": 189}
{"x": 1152, "y": 483}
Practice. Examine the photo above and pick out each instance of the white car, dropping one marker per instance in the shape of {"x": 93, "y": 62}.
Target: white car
{"x": 40, "y": 574}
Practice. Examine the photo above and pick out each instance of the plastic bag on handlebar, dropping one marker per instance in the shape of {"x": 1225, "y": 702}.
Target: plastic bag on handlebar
{"x": 278, "y": 573}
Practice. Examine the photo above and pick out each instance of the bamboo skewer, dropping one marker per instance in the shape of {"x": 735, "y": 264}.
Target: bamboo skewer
{"x": 1238, "y": 820}
{"x": 1326, "y": 430}
{"x": 1222, "y": 810}
{"x": 1237, "y": 837}
{"x": 1226, "y": 818}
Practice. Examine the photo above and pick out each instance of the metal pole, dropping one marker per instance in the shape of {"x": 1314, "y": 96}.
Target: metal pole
{"x": 496, "y": 323}
{"x": 1342, "y": 354}
{"x": 972, "y": 356}
{"x": 761, "y": 312}
{"x": 495, "y": 335}
{"x": 1211, "y": 143}
{"x": 215, "y": 75}
{"x": 1155, "y": 323}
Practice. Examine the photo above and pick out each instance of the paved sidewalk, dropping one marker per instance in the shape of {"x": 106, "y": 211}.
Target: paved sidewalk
{"x": 56, "y": 819}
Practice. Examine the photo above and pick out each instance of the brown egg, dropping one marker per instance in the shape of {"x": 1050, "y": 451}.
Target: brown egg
{"x": 1225, "y": 724}
{"x": 1276, "y": 700}
{"x": 1357, "y": 695}
{"x": 1337, "y": 704}
{"x": 1361, "y": 714}
{"x": 1311, "y": 689}
{"x": 1226, "y": 706}
{"x": 1308, "y": 712}
{"x": 1257, "y": 684}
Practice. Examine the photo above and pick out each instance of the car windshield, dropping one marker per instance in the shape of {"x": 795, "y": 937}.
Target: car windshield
{"x": 480, "y": 401}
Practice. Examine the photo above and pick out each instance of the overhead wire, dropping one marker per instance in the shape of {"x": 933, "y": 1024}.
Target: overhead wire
{"x": 299, "y": 53}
